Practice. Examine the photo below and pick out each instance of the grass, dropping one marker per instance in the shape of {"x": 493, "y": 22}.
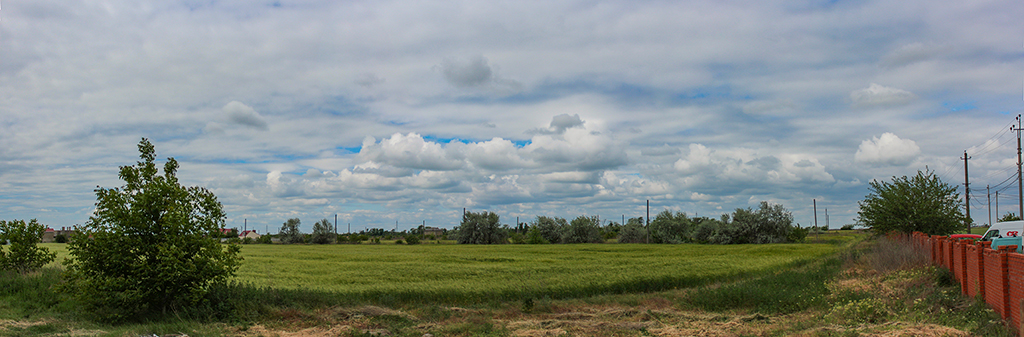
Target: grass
{"x": 819, "y": 289}
{"x": 456, "y": 273}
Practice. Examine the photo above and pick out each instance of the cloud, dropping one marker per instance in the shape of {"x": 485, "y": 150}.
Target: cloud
{"x": 908, "y": 54}
{"x": 410, "y": 151}
{"x": 467, "y": 73}
{"x": 559, "y": 124}
{"x": 664, "y": 150}
{"x": 242, "y": 114}
{"x": 888, "y": 149}
{"x": 475, "y": 73}
{"x": 368, "y": 80}
{"x": 878, "y": 95}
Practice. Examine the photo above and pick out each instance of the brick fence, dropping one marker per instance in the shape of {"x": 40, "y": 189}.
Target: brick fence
{"x": 996, "y": 275}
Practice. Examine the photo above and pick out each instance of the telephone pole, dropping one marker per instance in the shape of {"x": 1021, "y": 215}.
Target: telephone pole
{"x": 988, "y": 194}
{"x": 967, "y": 193}
{"x": 1020, "y": 183}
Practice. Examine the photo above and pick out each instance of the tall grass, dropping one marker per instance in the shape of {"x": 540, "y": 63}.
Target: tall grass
{"x": 896, "y": 252}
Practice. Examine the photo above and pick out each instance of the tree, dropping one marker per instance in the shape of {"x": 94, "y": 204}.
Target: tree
{"x": 481, "y": 228}
{"x": 770, "y": 223}
{"x": 149, "y": 245}
{"x": 290, "y": 231}
{"x": 551, "y": 229}
{"x": 633, "y": 232}
{"x": 22, "y": 255}
{"x": 670, "y": 228}
{"x": 323, "y": 232}
{"x": 922, "y": 203}
{"x": 1009, "y": 216}
{"x": 583, "y": 229}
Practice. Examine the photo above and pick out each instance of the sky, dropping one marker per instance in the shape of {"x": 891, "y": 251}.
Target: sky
{"x": 403, "y": 113}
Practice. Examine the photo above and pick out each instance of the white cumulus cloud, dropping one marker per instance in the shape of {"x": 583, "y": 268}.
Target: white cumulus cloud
{"x": 888, "y": 149}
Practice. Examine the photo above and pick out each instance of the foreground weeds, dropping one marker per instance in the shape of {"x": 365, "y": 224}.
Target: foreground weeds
{"x": 873, "y": 287}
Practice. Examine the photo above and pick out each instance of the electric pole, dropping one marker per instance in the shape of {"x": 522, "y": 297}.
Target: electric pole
{"x": 648, "y": 226}
{"x": 967, "y": 193}
{"x": 1020, "y": 184}
{"x": 815, "y": 214}
{"x": 988, "y": 194}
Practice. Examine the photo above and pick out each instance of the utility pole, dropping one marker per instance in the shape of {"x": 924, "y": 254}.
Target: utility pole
{"x": 967, "y": 193}
{"x": 988, "y": 194}
{"x": 1020, "y": 184}
{"x": 826, "y": 219}
{"x": 335, "y": 224}
{"x": 815, "y": 214}
{"x": 997, "y": 205}
{"x": 648, "y": 226}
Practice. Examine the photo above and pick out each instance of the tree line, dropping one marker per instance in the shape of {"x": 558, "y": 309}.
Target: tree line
{"x": 769, "y": 223}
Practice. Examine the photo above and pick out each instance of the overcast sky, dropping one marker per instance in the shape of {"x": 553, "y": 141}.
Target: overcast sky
{"x": 409, "y": 111}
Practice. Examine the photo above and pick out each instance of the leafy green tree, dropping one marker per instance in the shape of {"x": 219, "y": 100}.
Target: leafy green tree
{"x": 265, "y": 239}
{"x": 551, "y": 229}
{"x": 770, "y": 223}
{"x": 323, "y": 232}
{"x": 583, "y": 229}
{"x": 22, "y": 255}
{"x": 921, "y": 203}
{"x": 668, "y": 227}
{"x": 481, "y": 228}
{"x": 1009, "y": 216}
{"x": 149, "y": 245}
{"x": 290, "y": 232}
{"x": 633, "y": 232}
{"x": 533, "y": 236}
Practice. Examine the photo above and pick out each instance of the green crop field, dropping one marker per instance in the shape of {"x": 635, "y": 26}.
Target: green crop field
{"x": 460, "y": 273}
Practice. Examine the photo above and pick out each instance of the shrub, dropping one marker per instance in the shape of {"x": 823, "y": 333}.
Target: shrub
{"x": 60, "y": 238}
{"x": 265, "y": 239}
{"x": 22, "y": 255}
{"x": 846, "y": 228}
{"x": 399, "y": 241}
{"x": 149, "y": 245}
{"x": 413, "y": 239}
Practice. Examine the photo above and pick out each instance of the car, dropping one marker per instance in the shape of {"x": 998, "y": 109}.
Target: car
{"x": 1003, "y": 230}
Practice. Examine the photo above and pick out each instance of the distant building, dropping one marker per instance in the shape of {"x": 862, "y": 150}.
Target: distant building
{"x": 436, "y": 232}
{"x": 249, "y": 234}
{"x": 50, "y": 235}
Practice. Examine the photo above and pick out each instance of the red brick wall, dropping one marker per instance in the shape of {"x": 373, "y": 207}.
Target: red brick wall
{"x": 1016, "y": 284}
{"x": 975, "y": 267}
{"x": 959, "y": 264}
{"x": 996, "y": 291}
{"x": 995, "y": 275}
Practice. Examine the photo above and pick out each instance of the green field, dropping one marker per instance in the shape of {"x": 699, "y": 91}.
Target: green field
{"x": 460, "y": 273}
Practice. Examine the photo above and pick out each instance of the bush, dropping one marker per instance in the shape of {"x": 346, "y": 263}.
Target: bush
{"x": 149, "y": 245}
{"x": 22, "y": 255}
{"x": 265, "y": 239}
{"x": 846, "y": 228}
{"x": 413, "y": 239}
{"x": 60, "y": 238}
